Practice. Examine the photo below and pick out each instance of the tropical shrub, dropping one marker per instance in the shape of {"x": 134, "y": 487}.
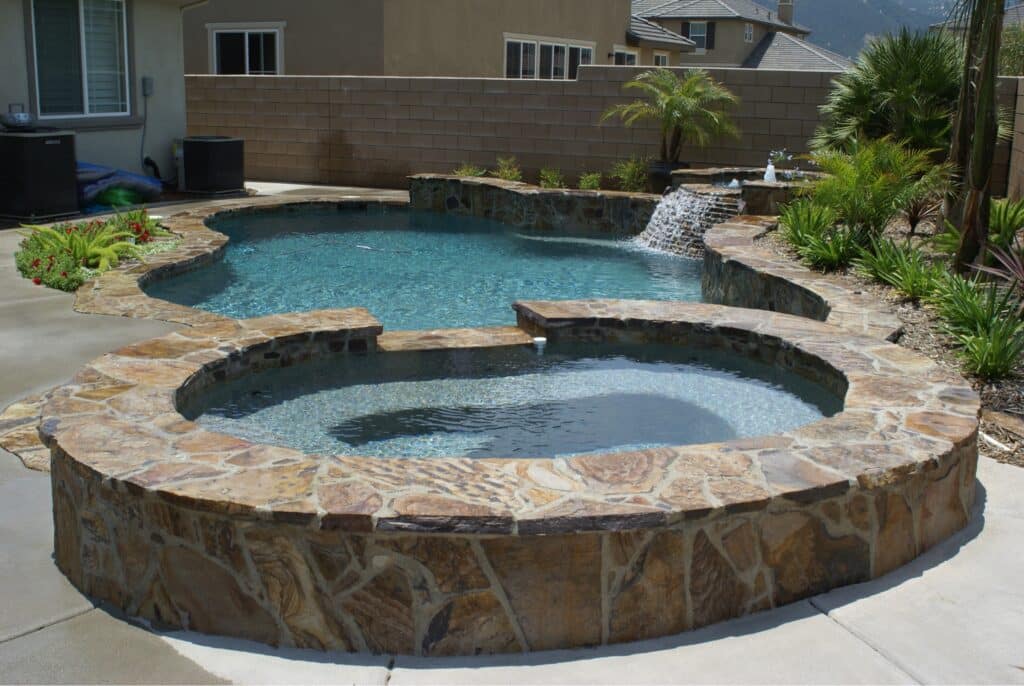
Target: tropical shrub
{"x": 904, "y": 85}
{"x": 45, "y": 268}
{"x": 996, "y": 352}
{"x": 872, "y": 182}
{"x": 471, "y": 170}
{"x": 590, "y": 181}
{"x": 1005, "y": 220}
{"x": 631, "y": 175}
{"x": 96, "y": 244}
{"x": 903, "y": 267}
{"x": 692, "y": 109}
{"x": 803, "y": 218}
{"x": 551, "y": 178}
{"x": 508, "y": 170}
{"x": 833, "y": 249}
{"x": 968, "y": 306}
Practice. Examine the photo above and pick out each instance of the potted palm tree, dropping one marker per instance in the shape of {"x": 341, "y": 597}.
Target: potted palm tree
{"x": 692, "y": 109}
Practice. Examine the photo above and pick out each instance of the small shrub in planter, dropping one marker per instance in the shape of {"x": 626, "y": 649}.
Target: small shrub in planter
{"x": 551, "y": 178}
{"x": 631, "y": 175}
{"x": 590, "y": 181}
{"x": 508, "y": 170}
{"x": 470, "y": 170}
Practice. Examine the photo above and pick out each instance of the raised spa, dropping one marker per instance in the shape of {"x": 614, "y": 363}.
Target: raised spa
{"x": 414, "y": 269}
{"x": 524, "y": 401}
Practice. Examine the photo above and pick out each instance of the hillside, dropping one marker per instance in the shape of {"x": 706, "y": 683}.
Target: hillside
{"x": 843, "y": 25}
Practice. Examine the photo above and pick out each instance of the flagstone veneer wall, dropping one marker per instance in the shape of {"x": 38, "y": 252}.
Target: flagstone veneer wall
{"x": 376, "y": 131}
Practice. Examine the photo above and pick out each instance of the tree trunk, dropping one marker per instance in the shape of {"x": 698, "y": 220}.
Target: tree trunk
{"x": 976, "y": 130}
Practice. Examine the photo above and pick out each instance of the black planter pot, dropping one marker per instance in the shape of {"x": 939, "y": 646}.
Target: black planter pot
{"x": 660, "y": 174}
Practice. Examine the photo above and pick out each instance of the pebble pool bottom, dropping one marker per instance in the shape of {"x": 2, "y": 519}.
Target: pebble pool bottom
{"x": 523, "y": 402}
{"x": 415, "y": 270}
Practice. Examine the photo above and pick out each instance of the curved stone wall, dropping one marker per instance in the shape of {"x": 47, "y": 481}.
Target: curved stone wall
{"x": 193, "y": 529}
{"x": 741, "y": 273}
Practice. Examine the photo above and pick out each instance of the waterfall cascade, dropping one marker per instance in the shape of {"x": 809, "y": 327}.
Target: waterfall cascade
{"x": 681, "y": 218}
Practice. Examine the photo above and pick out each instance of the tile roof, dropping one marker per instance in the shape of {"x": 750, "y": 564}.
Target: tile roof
{"x": 1014, "y": 15}
{"x": 780, "y": 50}
{"x": 712, "y": 9}
{"x": 647, "y": 31}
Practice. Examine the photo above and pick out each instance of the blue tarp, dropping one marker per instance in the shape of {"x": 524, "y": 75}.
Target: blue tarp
{"x": 94, "y": 180}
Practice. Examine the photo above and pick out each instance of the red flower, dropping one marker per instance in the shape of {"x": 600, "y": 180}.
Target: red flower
{"x": 36, "y": 262}
{"x": 37, "y": 281}
{"x": 64, "y": 274}
{"x": 68, "y": 230}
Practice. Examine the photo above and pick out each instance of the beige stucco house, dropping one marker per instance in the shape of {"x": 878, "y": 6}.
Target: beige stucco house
{"x": 80, "y": 65}
{"x": 741, "y": 33}
{"x": 547, "y": 39}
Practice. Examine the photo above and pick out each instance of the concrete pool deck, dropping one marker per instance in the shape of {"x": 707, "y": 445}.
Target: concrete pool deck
{"x": 954, "y": 615}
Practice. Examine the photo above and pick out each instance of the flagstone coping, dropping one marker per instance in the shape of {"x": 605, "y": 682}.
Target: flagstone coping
{"x": 460, "y": 556}
{"x": 741, "y": 272}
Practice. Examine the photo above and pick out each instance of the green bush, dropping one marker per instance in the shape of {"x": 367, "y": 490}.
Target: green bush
{"x": 467, "y": 169}
{"x": 905, "y": 85}
{"x": 590, "y": 181}
{"x": 1005, "y": 220}
{"x": 95, "y": 245}
{"x": 551, "y": 178}
{"x": 508, "y": 170}
{"x": 872, "y": 183}
{"x": 803, "y": 218}
{"x": 46, "y": 268}
{"x": 631, "y": 175}
{"x": 996, "y": 352}
{"x": 903, "y": 267}
{"x": 812, "y": 231}
{"x": 948, "y": 241}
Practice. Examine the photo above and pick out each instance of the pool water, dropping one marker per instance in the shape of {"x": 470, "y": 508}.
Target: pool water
{"x": 561, "y": 400}
{"x": 415, "y": 270}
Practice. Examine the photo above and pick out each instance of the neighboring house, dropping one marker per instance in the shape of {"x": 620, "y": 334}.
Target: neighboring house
{"x": 80, "y": 65}
{"x": 532, "y": 39}
{"x": 741, "y": 33}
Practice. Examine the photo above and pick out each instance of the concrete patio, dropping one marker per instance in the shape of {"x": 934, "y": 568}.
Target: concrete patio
{"x": 955, "y": 615}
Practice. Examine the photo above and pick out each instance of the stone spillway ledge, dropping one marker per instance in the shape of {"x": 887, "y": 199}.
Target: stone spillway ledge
{"x": 208, "y": 532}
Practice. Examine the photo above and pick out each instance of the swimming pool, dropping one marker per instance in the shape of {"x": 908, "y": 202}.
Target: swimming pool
{"x": 414, "y": 269}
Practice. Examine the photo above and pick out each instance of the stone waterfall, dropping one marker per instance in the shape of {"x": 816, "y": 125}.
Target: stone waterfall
{"x": 681, "y": 218}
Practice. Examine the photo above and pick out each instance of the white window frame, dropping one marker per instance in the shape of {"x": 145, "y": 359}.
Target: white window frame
{"x": 748, "y": 33}
{"x": 662, "y": 54}
{"x": 701, "y": 49}
{"x": 276, "y": 27}
{"x": 622, "y": 49}
{"x": 85, "y": 70}
{"x": 538, "y": 41}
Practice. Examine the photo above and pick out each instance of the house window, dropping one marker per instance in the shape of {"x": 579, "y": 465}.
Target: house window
{"x": 252, "y": 53}
{"x": 661, "y": 59}
{"x": 748, "y": 33}
{"x": 577, "y": 58}
{"x": 81, "y": 55}
{"x": 625, "y": 57}
{"x": 699, "y": 34}
{"x": 529, "y": 58}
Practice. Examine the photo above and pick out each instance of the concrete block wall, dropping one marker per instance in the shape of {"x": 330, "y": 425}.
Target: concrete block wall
{"x": 376, "y": 131}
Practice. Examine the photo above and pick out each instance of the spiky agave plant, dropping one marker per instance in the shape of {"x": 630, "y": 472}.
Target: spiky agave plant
{"x": 692, "y": 109}
{"x": 96, "y": 246}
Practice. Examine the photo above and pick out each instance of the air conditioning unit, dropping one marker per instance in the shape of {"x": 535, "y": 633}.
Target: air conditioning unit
{"x": 38, "y": 175}
{"x": 214, "y": 164}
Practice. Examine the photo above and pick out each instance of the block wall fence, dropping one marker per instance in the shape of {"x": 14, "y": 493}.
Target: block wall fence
{"x": 376, "y": 131}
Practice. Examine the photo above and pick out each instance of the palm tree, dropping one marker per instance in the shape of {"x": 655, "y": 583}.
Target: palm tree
{"x": 692, "y": 109}
{"x": 904, "y": 85}
{"x": 976, "y": 125}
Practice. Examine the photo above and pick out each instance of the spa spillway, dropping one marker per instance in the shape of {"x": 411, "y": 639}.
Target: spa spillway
{"x": 619, "y": 537}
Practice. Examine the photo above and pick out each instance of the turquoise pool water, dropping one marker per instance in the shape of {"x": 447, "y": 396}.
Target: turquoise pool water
{"x": 512, "y": 402}
{"x": 415, "y": 270}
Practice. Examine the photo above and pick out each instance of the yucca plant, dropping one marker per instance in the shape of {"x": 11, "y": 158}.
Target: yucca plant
{"x": 904, "y": 85}
{"x": 872, "y": 182}
{"x": 690, "y": 110}
{"x": 903, "y": 267}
